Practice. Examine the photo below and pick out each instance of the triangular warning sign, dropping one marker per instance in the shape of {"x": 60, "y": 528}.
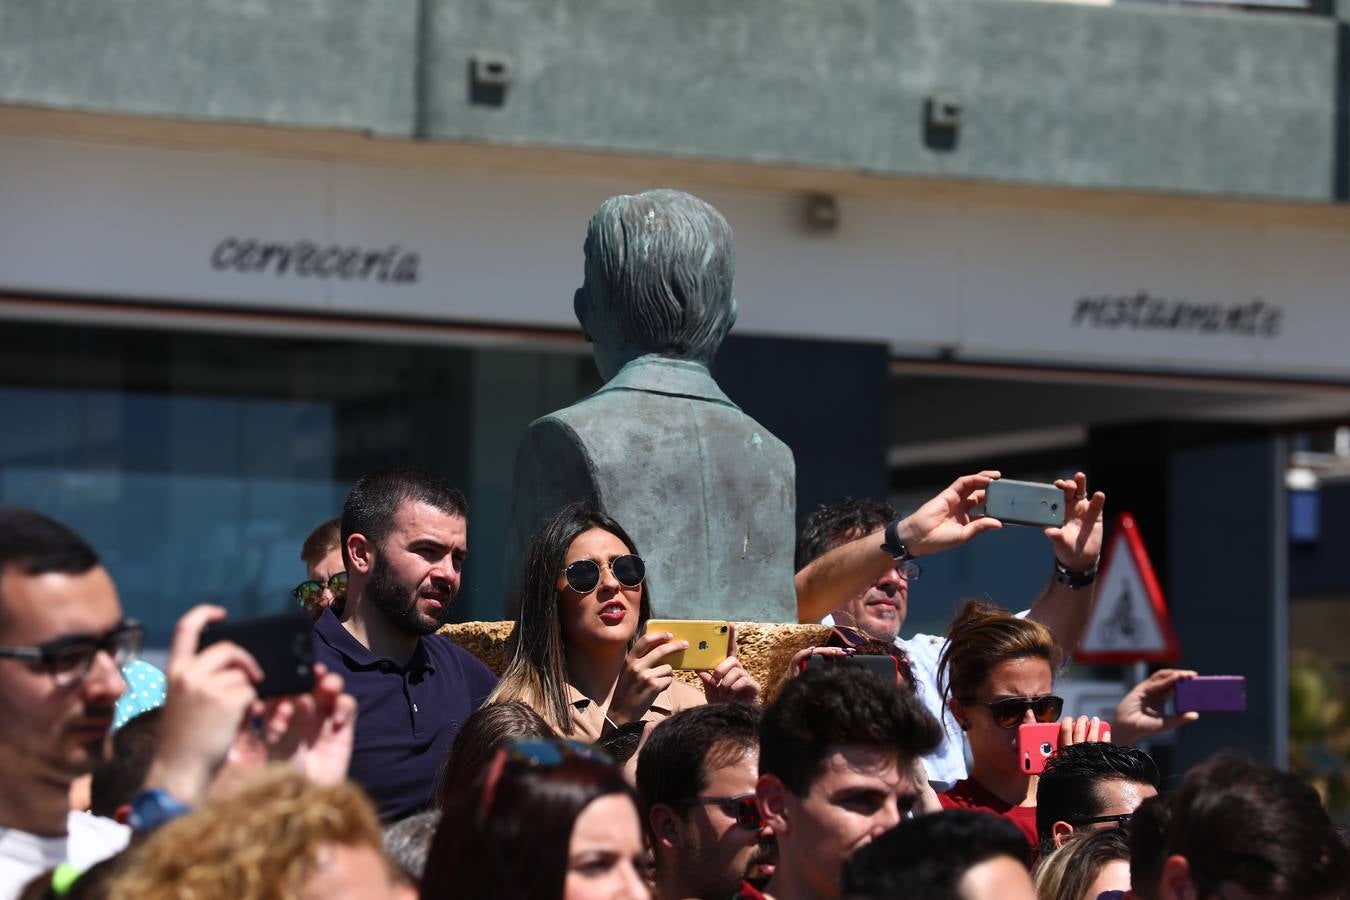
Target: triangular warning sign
{"x": 1129, "y": 621}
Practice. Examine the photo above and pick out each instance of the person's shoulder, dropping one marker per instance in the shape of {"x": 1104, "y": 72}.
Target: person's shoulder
{"x": 442, "y": 649}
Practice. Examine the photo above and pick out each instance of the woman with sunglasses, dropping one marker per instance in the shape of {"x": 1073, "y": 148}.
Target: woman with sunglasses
{"x": 540, "y": 820}
{"x": 579, "y": 656}
{"x": 996, "y": 674}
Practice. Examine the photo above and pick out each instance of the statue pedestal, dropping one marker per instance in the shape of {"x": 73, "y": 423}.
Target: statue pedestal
{"x": 765, "y": 650}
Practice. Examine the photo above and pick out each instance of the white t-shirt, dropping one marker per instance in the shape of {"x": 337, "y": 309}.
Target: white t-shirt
{"x": 89, "y": 840}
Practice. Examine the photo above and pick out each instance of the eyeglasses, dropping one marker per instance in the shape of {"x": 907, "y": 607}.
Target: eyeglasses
{"x": 741, "y": 807}
{"x": 583, "y": 576}
{"x": 1121, "y": 820}
{"x": 69, "y": 659}
{"x": 1009, "y": 712}
{"x": 307, "y": 593}
{"x": 535, "y": 753}
{"x": 911, "y": 570}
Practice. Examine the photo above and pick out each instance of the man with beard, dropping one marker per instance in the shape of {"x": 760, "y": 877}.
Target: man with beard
{"x": 403, "y": 544}
{"x": 62, "y": 640}
{"x": 696, "y": 778}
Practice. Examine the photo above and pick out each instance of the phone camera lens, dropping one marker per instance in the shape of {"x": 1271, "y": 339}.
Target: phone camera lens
{"x": 1046, "y": 749}
{"x": 1054, "y": 506}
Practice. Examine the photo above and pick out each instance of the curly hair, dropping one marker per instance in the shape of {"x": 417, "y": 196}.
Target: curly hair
{"x": 257, "y": 844}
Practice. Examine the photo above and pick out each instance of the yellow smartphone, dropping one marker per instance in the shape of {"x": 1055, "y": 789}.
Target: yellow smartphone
{"x": 708, "y": 641}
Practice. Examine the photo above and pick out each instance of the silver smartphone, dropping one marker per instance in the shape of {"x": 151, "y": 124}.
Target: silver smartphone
{"x": 1024, "y": 503}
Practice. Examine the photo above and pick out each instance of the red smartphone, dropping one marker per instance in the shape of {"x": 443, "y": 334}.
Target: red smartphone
{"x": 1035, "y": 743}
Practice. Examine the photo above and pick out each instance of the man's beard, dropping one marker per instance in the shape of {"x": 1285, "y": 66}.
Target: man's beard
{"x": 398, "y": 601}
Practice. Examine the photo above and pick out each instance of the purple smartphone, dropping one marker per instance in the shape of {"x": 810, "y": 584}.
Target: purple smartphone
{"x": 1212, "y": 693}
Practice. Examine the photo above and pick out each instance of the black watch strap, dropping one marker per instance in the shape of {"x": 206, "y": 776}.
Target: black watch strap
{"x": 1075, "y": 580}
{"x": 893, "y": 546}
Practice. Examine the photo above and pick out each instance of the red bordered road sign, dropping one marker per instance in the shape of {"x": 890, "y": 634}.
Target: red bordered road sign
{"x": 1129, "y": 621}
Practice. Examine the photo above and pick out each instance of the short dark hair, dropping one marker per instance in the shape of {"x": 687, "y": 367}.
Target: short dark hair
{"x": 673, "y": 765}
{"x": 1068, "y": 787}
{"x": 829, "y": 524}
{"x": 1148, "y": 846}
{"x": 839, "y": 705}
{"x": 924, "y": 858}
{"x": 1258, "y": 827}
{"x": 375, "y": 500}
{"x": 118, "y": 778}
{"x": 37, "y": 545}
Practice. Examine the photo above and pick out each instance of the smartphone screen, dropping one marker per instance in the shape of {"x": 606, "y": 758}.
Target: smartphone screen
{"x": 283, "y": 645}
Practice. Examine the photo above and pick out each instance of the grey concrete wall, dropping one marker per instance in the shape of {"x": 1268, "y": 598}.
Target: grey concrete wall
{"x": 1134, "y": 97}
{"x": 340, "y": 63}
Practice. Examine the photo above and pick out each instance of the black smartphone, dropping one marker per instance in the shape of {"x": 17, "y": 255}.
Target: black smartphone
{"x": 885, "y": 666}
{"x": 283, "y": 645}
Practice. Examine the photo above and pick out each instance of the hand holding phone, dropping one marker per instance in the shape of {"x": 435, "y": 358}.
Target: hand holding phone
{"x": 282, "y": 645}
{"x": 709, "y": 642}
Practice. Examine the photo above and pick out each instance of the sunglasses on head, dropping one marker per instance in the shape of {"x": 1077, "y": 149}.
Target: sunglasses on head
{"x": 307, "y": 593}
{"x": 535, "y": 753}
{"x": 583, "y": 576}
{"x": 1009, "y": 712}
{"x": 741, "y": 807}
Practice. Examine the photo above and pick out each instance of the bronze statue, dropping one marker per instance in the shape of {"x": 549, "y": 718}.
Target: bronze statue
{"x": 706, "y": 492}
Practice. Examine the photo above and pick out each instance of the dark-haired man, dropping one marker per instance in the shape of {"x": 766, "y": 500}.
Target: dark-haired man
{"x": 62, "y": 641}
{"x": 696, "y": 777}
{"x": 1091, "y": 786}
{"x": 404, "y": 540}
{"x": 836, "y": 762}
{"x": 855, "y": 561}
{"x": 1240, "y": 831}
{"x": 957, "y": 854}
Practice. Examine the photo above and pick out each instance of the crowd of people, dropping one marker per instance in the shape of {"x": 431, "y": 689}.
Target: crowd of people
{"x": 590, "y": 768}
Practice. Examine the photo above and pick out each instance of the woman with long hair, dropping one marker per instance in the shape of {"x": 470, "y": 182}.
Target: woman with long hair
{"x": 996, "y": 674}
{"x": 541, "y": 820}
{"x": 580, "y": 658}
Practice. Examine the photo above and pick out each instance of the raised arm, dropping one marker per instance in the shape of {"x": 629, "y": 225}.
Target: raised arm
{"x": 1066, "y": 602}
{"x": 942, "y": 522}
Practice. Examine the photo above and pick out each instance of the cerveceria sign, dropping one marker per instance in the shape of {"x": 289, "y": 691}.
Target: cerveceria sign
{"x": 309, "y": 260}
{"x": 1145, "y": 312}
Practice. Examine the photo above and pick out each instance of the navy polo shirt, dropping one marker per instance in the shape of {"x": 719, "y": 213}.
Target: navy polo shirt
{"x": 407, "y": 716}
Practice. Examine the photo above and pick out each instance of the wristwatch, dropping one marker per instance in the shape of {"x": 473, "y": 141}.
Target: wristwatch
{"x": 893, "y": 546}
{"x": 1075, "y": 580}
{"x": 153, "y": 807}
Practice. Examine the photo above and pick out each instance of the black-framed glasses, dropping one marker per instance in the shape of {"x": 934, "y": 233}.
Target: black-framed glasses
{"x": 583, "y": 576}
{"x": 1009, "y": 712}
{"x": 69, "y": 659}
{"x": 535, "y": 753}
{"x": 307, "y": 593}
{"x": 911, "y": 570}
{"x": 741, "y": 807}
{"x": 1120, "y": 821}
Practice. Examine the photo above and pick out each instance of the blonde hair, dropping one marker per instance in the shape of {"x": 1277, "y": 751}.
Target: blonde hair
{"x": 321, "y": 542}
{"x": 257, "y": 844}
{"x": 1067, "y": 873}
{"x": 980, "y": 637}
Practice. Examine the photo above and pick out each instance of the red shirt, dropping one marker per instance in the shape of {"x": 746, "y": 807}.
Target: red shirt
{"x": 968, "y": 794}
{"x": 749, "y": 892}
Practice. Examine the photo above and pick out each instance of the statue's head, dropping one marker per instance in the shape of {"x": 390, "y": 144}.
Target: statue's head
{"x": 659, "y": 273}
